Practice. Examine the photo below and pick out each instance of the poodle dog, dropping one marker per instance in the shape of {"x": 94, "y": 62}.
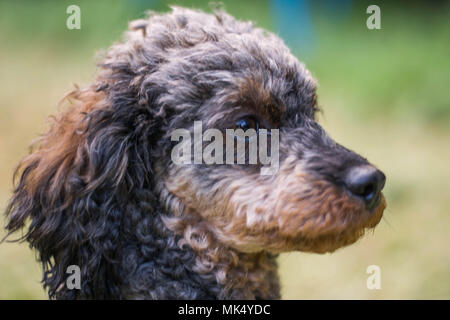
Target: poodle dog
{"x": 100, "y": 190}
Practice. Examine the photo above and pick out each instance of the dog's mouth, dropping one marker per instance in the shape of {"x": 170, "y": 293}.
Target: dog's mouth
{"x": 344, "y": 233}
{"x": 319, "y": 233}
{"x": 377, "y": 213}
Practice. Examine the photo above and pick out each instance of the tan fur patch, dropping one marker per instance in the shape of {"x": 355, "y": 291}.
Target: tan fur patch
{"x": 56, "y": 152}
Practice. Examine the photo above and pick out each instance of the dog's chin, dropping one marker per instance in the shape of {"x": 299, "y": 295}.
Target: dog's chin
{"x": 332, "y": 240}
{"x": 334, "y": 237}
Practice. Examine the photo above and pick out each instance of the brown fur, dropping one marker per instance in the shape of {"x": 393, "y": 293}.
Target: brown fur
{"x": 101, "y": 190}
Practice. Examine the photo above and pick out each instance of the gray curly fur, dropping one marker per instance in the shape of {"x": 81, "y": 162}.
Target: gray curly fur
{"x": 104, "y": 214}
{"x": 96, "y": 191}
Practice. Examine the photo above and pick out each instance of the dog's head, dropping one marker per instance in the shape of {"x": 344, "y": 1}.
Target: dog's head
{"x": 105, "y": 169}
{"x": 226, "y": 74}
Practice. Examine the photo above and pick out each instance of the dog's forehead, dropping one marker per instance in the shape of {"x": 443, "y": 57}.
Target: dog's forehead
{"x": 253, "y": 69}
{"x": 264, "y": 74}
{"x": 193, "y": 56}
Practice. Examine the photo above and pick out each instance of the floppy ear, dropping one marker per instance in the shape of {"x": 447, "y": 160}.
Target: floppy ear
{"x": 75, "y": 187}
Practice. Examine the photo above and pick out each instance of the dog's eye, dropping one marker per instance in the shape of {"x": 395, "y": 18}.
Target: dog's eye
{"x": 247, "y": 123}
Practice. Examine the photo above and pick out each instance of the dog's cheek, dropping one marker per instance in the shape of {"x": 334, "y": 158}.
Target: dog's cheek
{"x": 245, "y": 211}
{"x": 188, "y": 188}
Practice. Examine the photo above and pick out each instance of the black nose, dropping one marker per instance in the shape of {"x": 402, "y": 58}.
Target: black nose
{"x": 365, "y": 182}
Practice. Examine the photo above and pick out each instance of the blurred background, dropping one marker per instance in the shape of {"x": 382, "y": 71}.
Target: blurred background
{"x": 385, "y": 93}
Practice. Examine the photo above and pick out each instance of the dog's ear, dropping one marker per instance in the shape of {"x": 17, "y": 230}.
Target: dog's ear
{"x": 74, "y": 188}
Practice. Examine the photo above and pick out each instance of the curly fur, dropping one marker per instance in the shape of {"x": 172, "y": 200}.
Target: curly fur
{"x": 100, "y": 191}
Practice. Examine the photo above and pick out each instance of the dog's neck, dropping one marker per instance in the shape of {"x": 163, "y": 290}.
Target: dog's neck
{"x": 189, "y": 264}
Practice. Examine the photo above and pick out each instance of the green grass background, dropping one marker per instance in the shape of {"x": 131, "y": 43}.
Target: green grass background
{"x": 384, "y": 93}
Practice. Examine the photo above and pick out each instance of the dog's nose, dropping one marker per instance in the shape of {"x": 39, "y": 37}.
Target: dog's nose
{"x": 366, "y": 183}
